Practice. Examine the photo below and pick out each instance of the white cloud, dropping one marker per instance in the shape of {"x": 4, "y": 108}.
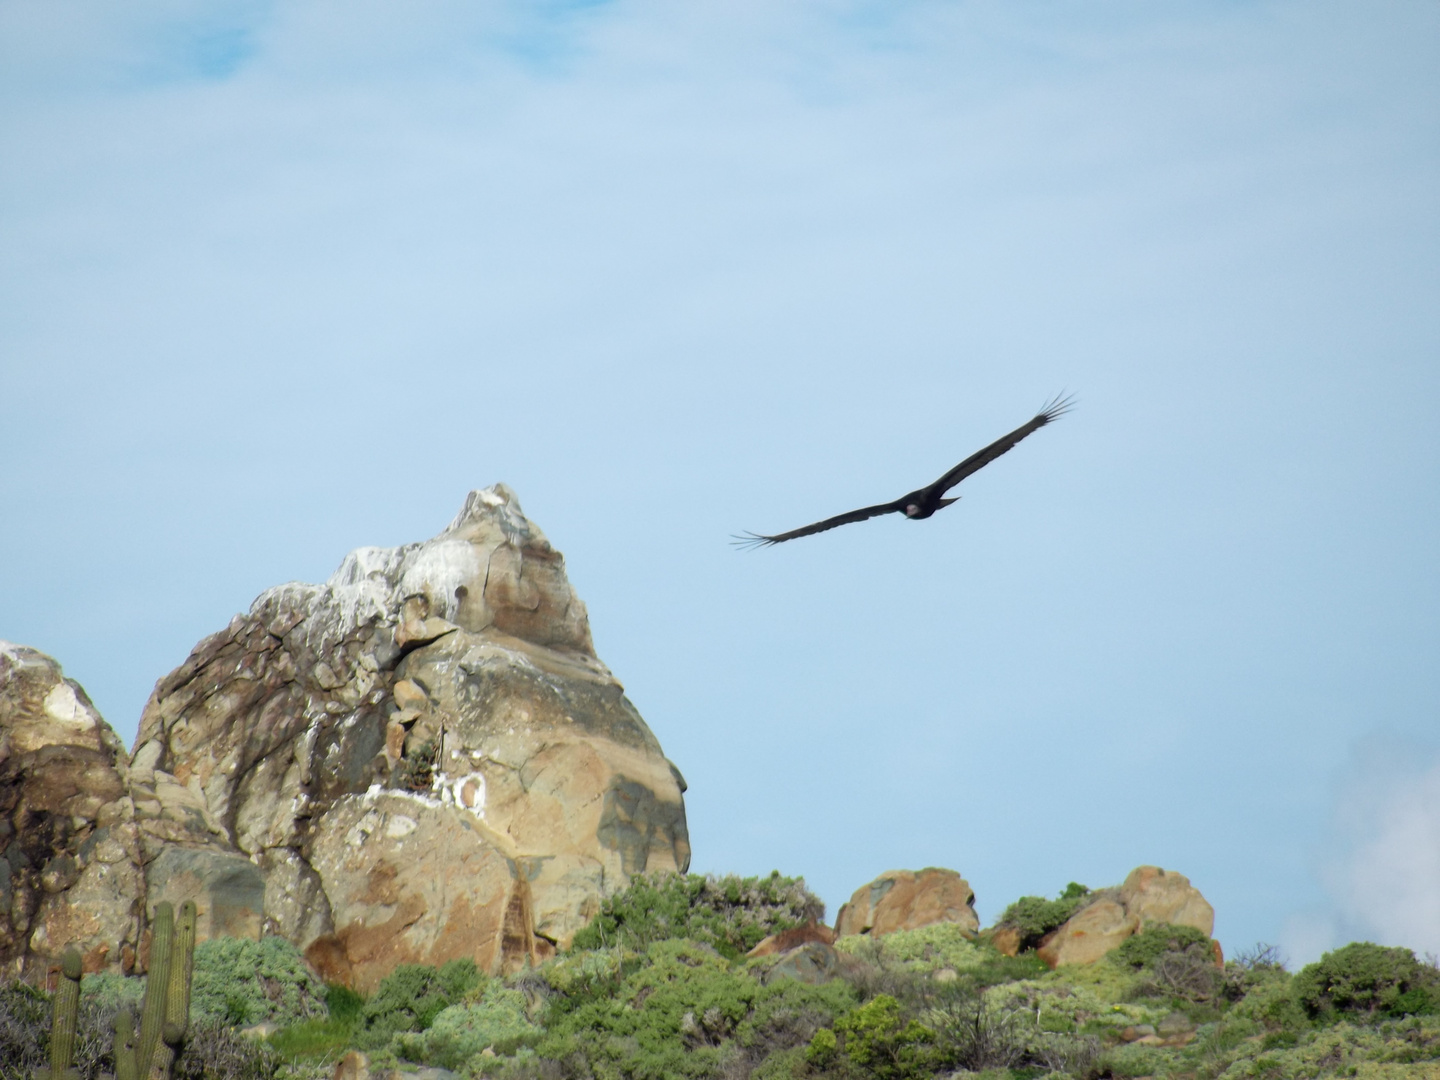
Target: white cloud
{"x": 1381, "y": 859}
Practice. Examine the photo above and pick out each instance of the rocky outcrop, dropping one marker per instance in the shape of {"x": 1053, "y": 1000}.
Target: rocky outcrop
{"x": 71, "y": 867}
{"x": 419, "y": 760}
{"x": 1148, "y": 895}
{"x": 907, "y": 899}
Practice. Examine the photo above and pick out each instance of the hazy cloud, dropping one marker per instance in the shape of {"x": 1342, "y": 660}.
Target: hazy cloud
{"x": 1380, "y": 862}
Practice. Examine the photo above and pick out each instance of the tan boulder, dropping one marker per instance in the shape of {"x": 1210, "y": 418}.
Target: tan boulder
{"x": 1148, "y": 896}
{"x": 1162, "y": 896}
{"x": 71, "y": 867}
{"x": 420, "y": 760}
{"x": 1088, "y": 934}
{"x": 907, "y": 899}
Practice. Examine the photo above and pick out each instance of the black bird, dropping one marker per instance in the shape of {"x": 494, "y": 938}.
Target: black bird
{"x": 924, "y": 501}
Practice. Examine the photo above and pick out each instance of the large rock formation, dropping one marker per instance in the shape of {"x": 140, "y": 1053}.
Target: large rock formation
{"x": 419, "y": 760}
{"x": 906, "y": 900}
{"x": 71, "y": 866}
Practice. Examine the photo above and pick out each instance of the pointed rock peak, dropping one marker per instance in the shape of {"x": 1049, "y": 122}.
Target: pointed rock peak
{"x": 496, "y": 508}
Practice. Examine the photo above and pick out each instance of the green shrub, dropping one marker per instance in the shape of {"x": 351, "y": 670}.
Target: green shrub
{"x": 239, "y": 982}
{"x": 824, "y": 1048}
{"x": 411, "y": 997}
{"x": 1367, "y": 981}
{"x": 497, "y": 1019}
{"x": 322, "y": 1037}
{"x": 343, "y": 1004}
{"x": 731, "y": 914}
{"x": 111, "y": 991}
{"x": 880, "y": 1039}
{"x": 1034, "y": 916}
{"x": 686, "y": 1012}
{"x": 1142, "y": 950}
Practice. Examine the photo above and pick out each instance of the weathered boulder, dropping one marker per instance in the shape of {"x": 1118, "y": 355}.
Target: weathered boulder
{"x": 1089, "y": 934}
{"x": 1148, "y": 895}
{"x": 1153, "y": 895}
{"x": 793, "y": 938}
{"x": 420, "y": 760}
{"x": 907, "y": 899}
{"x": 71, "y": 867}
{"x": 813, "y": 963}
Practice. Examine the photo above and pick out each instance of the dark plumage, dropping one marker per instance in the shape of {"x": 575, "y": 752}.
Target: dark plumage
{"x": 924, "y": 501}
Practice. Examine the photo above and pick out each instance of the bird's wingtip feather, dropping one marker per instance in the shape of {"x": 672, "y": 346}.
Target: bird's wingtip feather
{"x": 749, "y": 541}
{"x": 1057, "y": 407}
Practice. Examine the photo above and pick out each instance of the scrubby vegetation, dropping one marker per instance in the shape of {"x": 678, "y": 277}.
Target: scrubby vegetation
{"x": 659, "y": 988}
{"x": 730, "y": 914}
{"x": 1032, "y": 917}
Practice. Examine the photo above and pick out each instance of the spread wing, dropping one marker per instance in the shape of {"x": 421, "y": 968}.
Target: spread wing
{"x": 1052, "y": 411}
{"x": 752, "y": 540}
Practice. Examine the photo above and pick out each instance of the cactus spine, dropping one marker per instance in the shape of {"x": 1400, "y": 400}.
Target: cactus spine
{"x": 66, "y": 1017}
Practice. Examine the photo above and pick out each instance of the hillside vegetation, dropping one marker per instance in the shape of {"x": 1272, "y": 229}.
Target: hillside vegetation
{"x": 659, "y": 987}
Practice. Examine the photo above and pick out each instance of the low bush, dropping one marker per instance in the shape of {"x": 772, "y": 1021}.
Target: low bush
{"x": 886, "y": 1043}
{"x": 1033, "y": 916}
{"x": 731, "y": 914}
{"x": 497, "y": 1020}
{"x": 1367, "y": 981}
{"x": 240, "y": 982}
{"x": 1141, "y": 951}
{"x": 411, "y": 997}
{"x": 685, "y": 1011}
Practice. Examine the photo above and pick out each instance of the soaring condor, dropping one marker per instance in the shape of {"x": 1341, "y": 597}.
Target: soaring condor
{"x": 924, "y": 501}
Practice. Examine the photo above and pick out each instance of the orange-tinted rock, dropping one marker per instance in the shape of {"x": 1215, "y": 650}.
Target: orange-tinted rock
{"x": 1006, "y": 940}
{"x": 1148, "y": 896}
{"x": 793, "y": 938}
{"x": 1162, "y": 896}
{"x": 907, "y": 899}
{"x": 1089, "y": 934}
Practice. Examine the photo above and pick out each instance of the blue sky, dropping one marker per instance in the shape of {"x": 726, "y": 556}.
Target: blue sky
{"x": 277, "y": 281}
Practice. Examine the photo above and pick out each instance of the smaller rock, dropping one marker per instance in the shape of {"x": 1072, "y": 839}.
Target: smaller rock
{"x": 1148, "y": 896}
{"x": 793, "y": 938}
{"x": 353, "y": 1066}
{"x": 813, "y": 963}
{"x": 1006, "y": 940}
{"x": 1089, "y": 934}
{"x": 907, "y": 900}
{"x": 1136, "y": 1032}
{"x": 1154, "y": 895}
{"x": 1177, "y": 1029}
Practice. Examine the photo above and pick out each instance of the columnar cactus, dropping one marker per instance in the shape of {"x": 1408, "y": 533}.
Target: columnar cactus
{"x": 66, "y": 1018}
{"x": 125, "y": 1067}
{"x": 164, "y": 1020}
{"x": 177, "y": 994}
{"x": 157, "y": 985}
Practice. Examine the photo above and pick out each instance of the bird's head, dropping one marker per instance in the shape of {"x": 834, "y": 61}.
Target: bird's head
{"x": 911, "y": 510}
